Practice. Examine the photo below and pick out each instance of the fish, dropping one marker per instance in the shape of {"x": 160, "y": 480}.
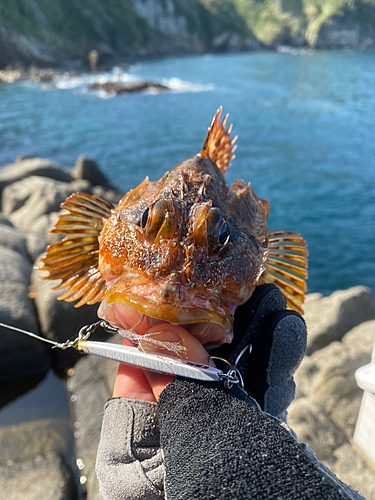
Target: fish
{"x": 187, "y": 249}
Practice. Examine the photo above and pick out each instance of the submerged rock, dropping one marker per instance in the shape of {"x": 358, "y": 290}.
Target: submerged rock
{"x": 120, "y": 88}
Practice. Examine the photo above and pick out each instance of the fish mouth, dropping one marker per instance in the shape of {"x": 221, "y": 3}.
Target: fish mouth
{"x": 172, "y": 313}
{"x": 204, "y": 317}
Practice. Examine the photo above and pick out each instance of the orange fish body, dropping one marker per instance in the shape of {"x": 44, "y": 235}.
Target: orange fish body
{"x": 187, "y": 249}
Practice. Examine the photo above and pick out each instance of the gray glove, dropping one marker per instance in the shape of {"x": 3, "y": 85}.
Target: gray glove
{"x": 129, "y": 461}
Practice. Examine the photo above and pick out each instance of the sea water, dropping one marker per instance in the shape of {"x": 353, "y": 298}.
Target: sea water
{"x": 306, "y": 127}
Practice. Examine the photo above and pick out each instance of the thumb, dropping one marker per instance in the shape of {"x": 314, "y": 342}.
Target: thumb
{"x": 195, "y": 351}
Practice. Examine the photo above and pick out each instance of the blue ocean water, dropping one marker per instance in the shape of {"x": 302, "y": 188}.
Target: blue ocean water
{"x": 305, "y": 122}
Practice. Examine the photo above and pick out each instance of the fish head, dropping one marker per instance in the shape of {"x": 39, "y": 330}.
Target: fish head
{"x": 186, "y": 249}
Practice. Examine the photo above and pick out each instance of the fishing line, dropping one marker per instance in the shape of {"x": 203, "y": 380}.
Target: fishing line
{"x": 30, "y": 334}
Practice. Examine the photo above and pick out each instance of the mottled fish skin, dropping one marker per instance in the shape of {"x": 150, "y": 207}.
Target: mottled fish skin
{"x": 177, "y": 258}
{"x": 187, "y": 249}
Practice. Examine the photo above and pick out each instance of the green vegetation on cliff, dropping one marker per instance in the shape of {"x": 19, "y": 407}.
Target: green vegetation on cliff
{"x": 50, "y": 31}
{"x": 283, "y": 21}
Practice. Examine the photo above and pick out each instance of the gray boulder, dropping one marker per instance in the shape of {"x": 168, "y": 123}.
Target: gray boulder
{"x": 35, "y": 244}
{"x": 325, "y": 412}
{"x": 352, "y": 469}
{"x": 26, "y": 200}
{"x": 37, "y": 444}
{"x": 4, "y": 221}
{"x": 329, "y": 318}
{"x": 88, "y": 169}
{"x": 25, "y": 167}
{"x": 60, "y": 320}
{"x": 47, "y": 478}
{"x": 314, "y": 427}
{"x": 42, "y": 226}
{"x": 20, "y": 355}
{"x": 111, "y": 195}
{"x": 13, "y": 239}
{"x": 327, "y": 377}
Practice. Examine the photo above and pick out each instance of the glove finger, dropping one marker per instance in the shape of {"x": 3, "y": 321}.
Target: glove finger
{"x": 248, "y": 320}
{"x": 277, "y": 352}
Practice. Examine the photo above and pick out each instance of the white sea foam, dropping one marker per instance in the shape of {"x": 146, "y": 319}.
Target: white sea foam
{"x": 85, "y": 79}
{"x": 82, "y": 82}
{"x": 294, "y": 51}
{"x": 177, "y": 85}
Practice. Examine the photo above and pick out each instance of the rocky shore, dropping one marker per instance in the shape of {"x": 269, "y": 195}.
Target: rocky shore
{"x": 49, "y": 440}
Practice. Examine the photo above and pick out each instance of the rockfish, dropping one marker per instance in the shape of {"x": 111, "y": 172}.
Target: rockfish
{"x": 186, "y": 249}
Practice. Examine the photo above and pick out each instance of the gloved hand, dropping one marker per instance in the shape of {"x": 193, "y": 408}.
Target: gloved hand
{"x": 278, "y": 339}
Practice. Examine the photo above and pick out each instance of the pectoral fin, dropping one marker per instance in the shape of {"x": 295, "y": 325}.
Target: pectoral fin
{"x": 218, "y": 146}
{"x": 75, "y": 259}
{"x": 286, "y": 267}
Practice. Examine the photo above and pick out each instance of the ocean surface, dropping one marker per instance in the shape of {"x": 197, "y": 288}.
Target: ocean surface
{"x": 306, "y": 127}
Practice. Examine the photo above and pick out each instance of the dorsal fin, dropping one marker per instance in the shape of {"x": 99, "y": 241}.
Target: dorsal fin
{"x": 75, "y": 259}
{"x": 286, "y": 267}
{"x": 218, "y": 146}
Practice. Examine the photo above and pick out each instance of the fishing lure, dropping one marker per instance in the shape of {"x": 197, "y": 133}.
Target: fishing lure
{"x": 134, "y": 356}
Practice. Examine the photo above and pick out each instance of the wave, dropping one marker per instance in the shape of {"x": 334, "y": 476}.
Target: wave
{"x": 82, "y": 82}
{"x": 177, "y": 85}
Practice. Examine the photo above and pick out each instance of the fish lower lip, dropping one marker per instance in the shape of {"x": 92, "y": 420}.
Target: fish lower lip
{"x": 171, "y": 313}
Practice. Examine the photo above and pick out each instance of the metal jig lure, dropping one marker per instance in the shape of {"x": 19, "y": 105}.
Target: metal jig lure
{"x": 133, "y": 356}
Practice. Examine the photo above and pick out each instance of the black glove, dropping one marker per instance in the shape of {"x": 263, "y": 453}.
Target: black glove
{"x": 278, "y": 340}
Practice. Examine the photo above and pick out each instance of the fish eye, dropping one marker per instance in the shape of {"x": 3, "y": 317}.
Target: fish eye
{"x": 145, "y": 218}
{"x": 224, "y": 234}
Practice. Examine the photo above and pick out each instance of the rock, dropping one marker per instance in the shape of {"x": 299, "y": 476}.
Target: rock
{"x": 20, "y": 355}
{"x": 326, "y": 411}
{"x": 314, "y": 427}
{"x": 329, "y": 318}
{"x": 43, "y": 225}
{"x": 13, "y": 239}
{"x": 26, "y": 200}
{"x": 35, "y": 244}
{"x": 11, "y": 75}
{"x": 46, "y": 478}
{"x": 120, "y": 88}
{"x": 353, "y": 27}
{"x": 88, "y": 169}
{"x": 327, "y": 377}
{"x": 31, "y": 166}
{"x": 228, "y": 42}
{"x": 60, "y": 320}
{"x": 111, "y": 195}
{"x": 351, "y": 469}
{"x": 91, "y": 386}
{"x": 4, "y": 221}
{"x": 38, "y": 428}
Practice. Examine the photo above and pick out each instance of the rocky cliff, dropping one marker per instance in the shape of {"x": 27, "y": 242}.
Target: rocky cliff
{"x": 55, "y": 32}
